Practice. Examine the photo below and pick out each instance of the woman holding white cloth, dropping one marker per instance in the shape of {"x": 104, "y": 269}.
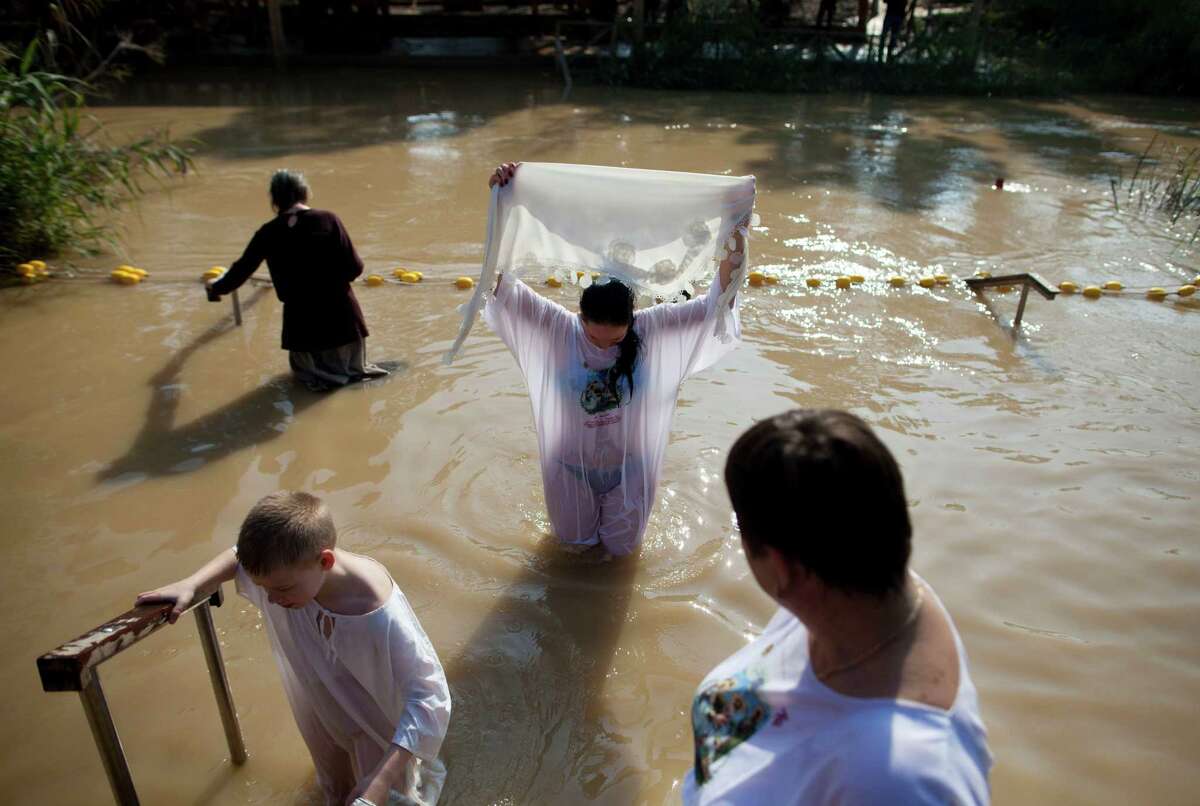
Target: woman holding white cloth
{"x": 603, "y": 385}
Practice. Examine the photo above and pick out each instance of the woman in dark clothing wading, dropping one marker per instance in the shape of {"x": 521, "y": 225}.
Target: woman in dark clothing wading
{"x": 312, "y": 263}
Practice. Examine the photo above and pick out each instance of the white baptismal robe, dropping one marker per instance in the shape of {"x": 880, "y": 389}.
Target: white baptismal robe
{"x": 357, "y": 684}
{"x": 601, "y": 453}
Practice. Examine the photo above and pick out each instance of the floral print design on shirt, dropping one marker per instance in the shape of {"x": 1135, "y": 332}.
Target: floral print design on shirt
{"x": 724, "y": 715}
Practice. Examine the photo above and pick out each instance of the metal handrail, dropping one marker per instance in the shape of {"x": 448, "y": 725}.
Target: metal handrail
{"x": 1026, "y": 280}
{"x": 73, "y": 667}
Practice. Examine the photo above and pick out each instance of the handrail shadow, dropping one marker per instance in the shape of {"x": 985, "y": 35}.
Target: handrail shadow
{"x": 528, "y": 722}
{"x": 162, "y": 448}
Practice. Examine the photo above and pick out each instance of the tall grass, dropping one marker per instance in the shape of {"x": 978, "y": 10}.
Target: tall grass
{"x": 1165, "y": 180}
{"x": 61, "y": 177}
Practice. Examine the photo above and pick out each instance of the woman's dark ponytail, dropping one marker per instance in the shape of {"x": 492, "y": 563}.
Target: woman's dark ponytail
{"x": 611, "y": 303}
{"x": 625, "y": 361}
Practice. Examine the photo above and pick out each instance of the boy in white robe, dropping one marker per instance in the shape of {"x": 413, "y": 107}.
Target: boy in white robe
{"x": 364, "y": 682}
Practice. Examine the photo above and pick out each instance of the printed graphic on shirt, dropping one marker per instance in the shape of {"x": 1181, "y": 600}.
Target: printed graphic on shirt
{"x": 597, "y": 396}
{"x": 724, "y": 715}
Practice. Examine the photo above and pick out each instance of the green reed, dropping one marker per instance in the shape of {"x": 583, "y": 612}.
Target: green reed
{"x": 61, "y": 177}
{"x": 1164, "y": 179}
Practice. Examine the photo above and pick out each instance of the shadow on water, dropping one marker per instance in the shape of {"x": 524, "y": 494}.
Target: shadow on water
{"x": 162, "y": 447}
{"x": 529, "y": 721}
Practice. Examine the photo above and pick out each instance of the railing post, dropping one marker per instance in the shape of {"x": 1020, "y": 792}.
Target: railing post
{"x": 220, "y": 683}
{"x": 107, "y": 741}
{"x": 1021, "y": 305}
{"x": 237, "y": 308}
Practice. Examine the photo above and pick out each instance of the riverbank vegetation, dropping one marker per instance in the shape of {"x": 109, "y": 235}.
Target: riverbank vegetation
{"x": 1007, "y": 47}
{"x": 61, "y": 175}
{"x": 1165, "y": 180}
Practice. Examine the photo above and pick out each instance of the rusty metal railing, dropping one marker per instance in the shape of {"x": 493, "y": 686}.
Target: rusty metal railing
{"x": 73, "y": 667}
{"x": 1026, "y": 280}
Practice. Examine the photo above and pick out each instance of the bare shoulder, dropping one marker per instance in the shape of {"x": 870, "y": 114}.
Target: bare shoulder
{"x": 930, "y": 672}
{"x": 371, "y": 588}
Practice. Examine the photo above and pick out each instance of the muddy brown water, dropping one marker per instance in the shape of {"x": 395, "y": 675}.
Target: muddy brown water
{"x": 1052, "y": 475}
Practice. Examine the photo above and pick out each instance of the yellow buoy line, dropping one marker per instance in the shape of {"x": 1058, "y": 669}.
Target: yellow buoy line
{"x": 1116, "y": 287}
{"x": 36, "y": 270}
{"x": 33, "y": 271}
{"x": 758, "y": 279}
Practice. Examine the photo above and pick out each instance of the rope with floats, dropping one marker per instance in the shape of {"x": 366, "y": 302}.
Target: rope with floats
{"x": 34, "y": 271}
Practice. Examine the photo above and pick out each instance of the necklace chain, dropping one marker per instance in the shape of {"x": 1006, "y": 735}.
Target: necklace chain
{"x": 870, "y": 653}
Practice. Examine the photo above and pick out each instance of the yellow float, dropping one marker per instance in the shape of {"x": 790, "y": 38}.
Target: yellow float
{"x": 464, "y": 282}
{"x": 982, "y": 274}
{"x": 896, "y": 281}
{"x": 409, "y": 277}
{"x": 1156, "y": 293}
{"x": 213, "y": 273}
{"x": 813, "y": 282}
{"x": 756, "y": 278}
{"x": 374, "y": 280}
{"x": 942, "y": 279}
{"x": 125, "y": 277}
{"x": 842, "y": 282}
{"x": 554, "y": 282}
{"x": 27, "y": 270}
{"x": 1091, "y": 291}
{"x": 1067, "y": 287}
{"x": 857, "y": 278}
{"x": 1113, "y": 285}
{"x": 927, "y": 282}
{"x": 1186, "y": 290}
{"x": 771, "y": 279}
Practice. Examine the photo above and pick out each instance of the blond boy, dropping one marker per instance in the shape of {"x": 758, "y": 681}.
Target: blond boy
{"x": 365, "y": 684}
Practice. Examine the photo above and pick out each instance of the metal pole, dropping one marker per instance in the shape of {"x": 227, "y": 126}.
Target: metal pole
{"x": 278, "y": 42}
{"x": 107, "y": 741}
{"x": 216, "y": 670}
{"x": 237, "y": 308}
{"x": 1021, "y": 305}
{"x": 561, "y": 57}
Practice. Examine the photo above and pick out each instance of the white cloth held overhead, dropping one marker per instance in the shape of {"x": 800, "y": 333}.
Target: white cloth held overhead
{"x": 659, "y": 231}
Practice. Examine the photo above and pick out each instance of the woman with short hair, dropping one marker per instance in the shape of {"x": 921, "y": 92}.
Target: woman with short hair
{"x": 857, "y": 691}
{"x": 312, "y": 263}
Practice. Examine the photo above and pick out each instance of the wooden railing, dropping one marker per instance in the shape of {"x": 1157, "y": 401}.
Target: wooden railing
{"x": 73, "y": 667}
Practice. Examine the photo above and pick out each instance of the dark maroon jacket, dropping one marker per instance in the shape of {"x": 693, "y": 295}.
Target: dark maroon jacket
{"x": 312, "y": 263}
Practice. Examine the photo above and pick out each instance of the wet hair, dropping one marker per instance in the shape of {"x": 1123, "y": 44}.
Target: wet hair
{"x": 854, "y": 534}
{"x": 288, "y": 188}
{"x": 283, "y": 529}
{"x": 611, "y": 303}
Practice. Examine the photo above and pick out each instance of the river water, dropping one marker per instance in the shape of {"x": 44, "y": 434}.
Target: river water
{"x": 1052, "y": 474}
